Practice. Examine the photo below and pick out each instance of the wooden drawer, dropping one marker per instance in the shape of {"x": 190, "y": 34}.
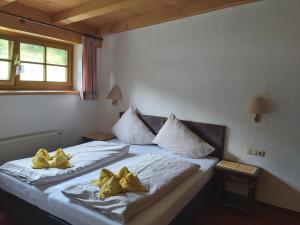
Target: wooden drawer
{"x": 238, "y": 178}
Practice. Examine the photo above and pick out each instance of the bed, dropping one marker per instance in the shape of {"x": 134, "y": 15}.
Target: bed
{"x": 46, "y": 203}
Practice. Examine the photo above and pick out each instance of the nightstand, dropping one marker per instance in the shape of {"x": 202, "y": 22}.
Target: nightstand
{"x": 236, "y": 185}
{"x": 97, "y": 137}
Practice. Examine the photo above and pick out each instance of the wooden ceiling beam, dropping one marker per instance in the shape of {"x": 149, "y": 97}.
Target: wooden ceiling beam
{"x": 33, "y": 13}
{"x": 6, "y": 2}
{"x": 179, "y": 11}
{"x": 13, "y": 24}
{"x": 92, "y": 9}
{"x": 26, "y": 11}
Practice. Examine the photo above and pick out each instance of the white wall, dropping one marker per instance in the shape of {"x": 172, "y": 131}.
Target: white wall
{"x": 21, "y": 115}
{"x": 207, "y": 68}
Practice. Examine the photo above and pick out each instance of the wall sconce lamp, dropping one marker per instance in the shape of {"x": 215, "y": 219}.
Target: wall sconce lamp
{"x": 258, "y": 106}
{"x": 115, "y": 94}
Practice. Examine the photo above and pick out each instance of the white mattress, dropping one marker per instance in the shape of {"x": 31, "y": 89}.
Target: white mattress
{"x": 50, "y": 198}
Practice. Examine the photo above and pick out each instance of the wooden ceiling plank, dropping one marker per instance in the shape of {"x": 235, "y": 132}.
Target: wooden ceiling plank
{"x": 92, "y": 9}
{"x": 39, "y": 15}
{"x": 52, "y": 6}
{"x": 162, "y": 15}
{"x": 26, "y": 11}
{"x": 12, "y": 23}
{"x": 6, "y": 2}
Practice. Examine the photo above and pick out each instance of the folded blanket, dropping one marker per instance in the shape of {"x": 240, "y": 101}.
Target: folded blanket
{"x": 85, "y": 157}
{"x": 112, "y": 184}
{"x": 42, "y": 159}
{"x": 160, "y": 174}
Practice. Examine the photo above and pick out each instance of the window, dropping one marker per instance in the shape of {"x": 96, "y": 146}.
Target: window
{"x": 34, "y": 64}
{"x": 6, "y": 50}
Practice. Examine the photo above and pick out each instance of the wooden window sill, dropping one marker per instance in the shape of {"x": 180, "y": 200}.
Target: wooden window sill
{"x": 39, "y": 92}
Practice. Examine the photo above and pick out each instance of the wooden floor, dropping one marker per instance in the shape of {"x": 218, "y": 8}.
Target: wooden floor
{"x": 219, "y": 215}
{"x": 263, "y": 215}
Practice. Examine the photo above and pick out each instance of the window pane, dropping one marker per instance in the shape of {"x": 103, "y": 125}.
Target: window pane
{"x": 5, "y": 49}
{"x": 57, "y": 74}
{"x": 32, "y": 72}
{"x": 4, "y": 70}
{"x": 31, "y": 53}
{"x": 57, "y": 56}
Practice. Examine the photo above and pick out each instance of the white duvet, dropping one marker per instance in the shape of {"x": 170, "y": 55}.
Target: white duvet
{"x": 160, "y": 174}
{"x": 84, "y": 157}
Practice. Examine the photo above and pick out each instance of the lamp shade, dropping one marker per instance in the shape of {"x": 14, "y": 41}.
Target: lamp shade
{"x": 258, "y": 105}
{"x": 115, "y": 93}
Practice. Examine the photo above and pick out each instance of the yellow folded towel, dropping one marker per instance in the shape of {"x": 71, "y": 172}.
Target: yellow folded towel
{"x": 130, "y": 182}
{"x": 112, "y": 184}
{"x": 110, "y": 188}
{"x": 42, "y": 159}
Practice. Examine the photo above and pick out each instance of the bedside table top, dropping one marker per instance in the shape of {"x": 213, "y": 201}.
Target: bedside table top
{"x": 99, "y": 136}
{"x": 238, "y": 168}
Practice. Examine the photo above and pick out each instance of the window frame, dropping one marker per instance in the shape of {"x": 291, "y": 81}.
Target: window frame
{"x": 11, "y": 81}
{"x": 16, "y": 84}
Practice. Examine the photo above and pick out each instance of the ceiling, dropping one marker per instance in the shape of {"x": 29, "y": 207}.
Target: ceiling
{"x": 103, "y": 17}
{"x": 52, "y": 6}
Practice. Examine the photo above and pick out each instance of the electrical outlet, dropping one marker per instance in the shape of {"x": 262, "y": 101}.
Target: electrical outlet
{"x": 261, "y": 153}
{"x": 256, "y": 152}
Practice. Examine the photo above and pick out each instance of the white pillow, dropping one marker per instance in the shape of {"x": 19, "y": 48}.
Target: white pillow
{"x": 131, "y": 130}
{"x": 176, "y": 137}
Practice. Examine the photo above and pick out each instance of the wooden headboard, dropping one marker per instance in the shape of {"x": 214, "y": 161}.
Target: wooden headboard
{"x": 211, "y": 133}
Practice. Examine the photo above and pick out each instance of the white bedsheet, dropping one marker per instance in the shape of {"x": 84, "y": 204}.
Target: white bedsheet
{"x": 84, "y": 157}
{"x": 50, "y": 198}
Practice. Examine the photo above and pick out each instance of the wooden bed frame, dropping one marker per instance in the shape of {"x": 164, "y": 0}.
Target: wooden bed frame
{"x": 26, "y": 213}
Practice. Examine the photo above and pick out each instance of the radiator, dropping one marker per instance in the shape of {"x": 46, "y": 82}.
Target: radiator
{"x": 23, "y": 146}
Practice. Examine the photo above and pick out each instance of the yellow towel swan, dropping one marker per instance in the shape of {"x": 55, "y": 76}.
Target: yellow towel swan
{"x": 113, "y": 184}
{"x": 42, "y": 159}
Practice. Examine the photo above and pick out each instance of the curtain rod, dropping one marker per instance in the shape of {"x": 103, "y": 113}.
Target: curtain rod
{"x": 28, "y": 19}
